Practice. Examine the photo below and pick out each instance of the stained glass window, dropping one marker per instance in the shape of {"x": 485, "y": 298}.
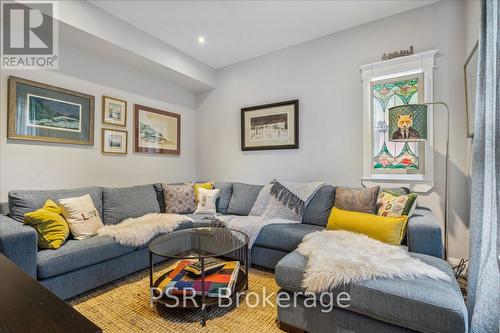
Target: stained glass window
{"x": 388, "y": 156}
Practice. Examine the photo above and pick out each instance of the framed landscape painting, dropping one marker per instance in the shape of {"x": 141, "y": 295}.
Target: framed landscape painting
{"x": 114, "y": 111}
{"x": 157, "y": 131}
{"x": 270, "y": 126}
{"x": 114, "y": 141}
{"x": 40, "y": 112}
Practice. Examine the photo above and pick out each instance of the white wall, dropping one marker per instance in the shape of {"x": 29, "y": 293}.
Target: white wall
{"x": 323, "y": 74}
{"x": 30, "y": 165}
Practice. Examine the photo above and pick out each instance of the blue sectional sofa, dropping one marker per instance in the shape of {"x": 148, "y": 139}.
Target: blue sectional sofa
{"x": 80, "y": 265}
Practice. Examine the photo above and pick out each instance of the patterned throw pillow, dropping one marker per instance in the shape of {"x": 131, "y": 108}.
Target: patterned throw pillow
{"x": 393, "y": 204}
{"x": 206, "y": 186}
{"x": 363, "y": 200}
{"x": 206, "y": 201}
{"x": 179, "y": 199}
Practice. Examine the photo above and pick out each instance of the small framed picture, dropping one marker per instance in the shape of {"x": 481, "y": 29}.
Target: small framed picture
{"x": 114, "y": 111}
{"x": 114, "y": 141}
{"x": 270, "y": 126}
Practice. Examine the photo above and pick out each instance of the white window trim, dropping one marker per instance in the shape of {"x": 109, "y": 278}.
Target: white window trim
{"x": 420, "y": 62}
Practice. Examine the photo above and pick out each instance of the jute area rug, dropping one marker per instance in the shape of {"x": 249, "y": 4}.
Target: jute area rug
{"x": 123, "y": 306}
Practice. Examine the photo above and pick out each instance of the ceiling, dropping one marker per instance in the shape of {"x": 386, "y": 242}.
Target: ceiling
{"x": 239, "y": 30}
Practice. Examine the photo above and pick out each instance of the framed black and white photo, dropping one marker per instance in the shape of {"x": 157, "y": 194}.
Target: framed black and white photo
{"x": 270, "y": 126}
{"x": 114, "y": 141}
{"x": 40, "y": 112}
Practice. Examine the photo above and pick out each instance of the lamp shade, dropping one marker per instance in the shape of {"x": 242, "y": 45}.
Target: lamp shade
{"x": 408, "y": 122}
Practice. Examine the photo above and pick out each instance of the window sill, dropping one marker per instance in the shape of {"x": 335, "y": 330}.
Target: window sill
{"x": 414, "y": 183}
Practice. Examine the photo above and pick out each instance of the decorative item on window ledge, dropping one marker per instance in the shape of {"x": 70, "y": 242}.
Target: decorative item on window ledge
{"x": 395, "y": 54}
{"x": 408, "y": 123}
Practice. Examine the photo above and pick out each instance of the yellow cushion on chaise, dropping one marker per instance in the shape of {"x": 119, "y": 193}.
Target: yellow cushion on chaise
{"x": 390, "y": 230}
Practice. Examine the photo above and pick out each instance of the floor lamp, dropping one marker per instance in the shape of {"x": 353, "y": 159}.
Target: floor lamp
{"x": 408, "y": 123}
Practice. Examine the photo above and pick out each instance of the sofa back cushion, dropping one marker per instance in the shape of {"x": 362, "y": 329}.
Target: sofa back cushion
{"x": 25, "y": 201}
{"x": 160, "y": 196}
{"x": 319, "y": 208}
{"x": 225, "y": 193}
{"x": 243, "y": 198}
{"x": 122, "y": 203}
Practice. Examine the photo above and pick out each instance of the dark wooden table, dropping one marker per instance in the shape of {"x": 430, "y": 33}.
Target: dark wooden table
{"x": 27, "y": 306}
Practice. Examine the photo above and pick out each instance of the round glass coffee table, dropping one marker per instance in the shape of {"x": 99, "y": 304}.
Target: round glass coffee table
{"x": 199, "y": 244}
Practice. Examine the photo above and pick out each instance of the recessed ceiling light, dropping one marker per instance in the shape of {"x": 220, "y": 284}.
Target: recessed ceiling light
{"x": 201, "y": 40}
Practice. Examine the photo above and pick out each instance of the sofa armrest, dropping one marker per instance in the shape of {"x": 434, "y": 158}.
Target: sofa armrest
{"x": 424, "y": 234}
{"x": 19, "y": 243}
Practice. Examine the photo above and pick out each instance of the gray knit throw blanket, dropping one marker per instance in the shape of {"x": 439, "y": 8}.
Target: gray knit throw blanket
{"x": 295, "y": 196}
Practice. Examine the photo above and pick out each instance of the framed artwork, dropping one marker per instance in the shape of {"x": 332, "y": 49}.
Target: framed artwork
{"x": 390, "y": 154}
{"x": 114, "y": 111}
{"x": 157, "y": 131}
{"x": 270, "y": 126}
{"x": 114, "y": 141}
{"x": 470, "y": 76}
{"x": 40, "y": 112}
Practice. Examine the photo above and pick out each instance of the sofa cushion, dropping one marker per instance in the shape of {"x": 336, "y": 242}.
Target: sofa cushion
{"x": 225, "y": 193}
{"x": 284, "y": 237}
{"x": 421, "y": 304}
{"x": 319, "y": 208}
{"x": 24, "y": 201}
{"x": 122, "y": 203}
{"x": 77, "y": 254}
{"x": 243, "y": 198}
{"x": 160, "y": 196}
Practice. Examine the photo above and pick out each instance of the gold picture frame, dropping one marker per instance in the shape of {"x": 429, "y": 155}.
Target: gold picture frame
{"x": 107, "y": 146}
{"x": 114, "y": 111}
{"x": 41, "y": 112}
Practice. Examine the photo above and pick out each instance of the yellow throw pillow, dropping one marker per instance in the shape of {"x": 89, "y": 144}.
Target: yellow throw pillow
{"x": 390, "y": 230}
{"x": 206, "y": 186}
{"x": 50, "y": 225}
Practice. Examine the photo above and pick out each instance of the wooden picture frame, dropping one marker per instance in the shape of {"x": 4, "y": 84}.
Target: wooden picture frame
{"x": 470, "y": 80}
{"x": 105, "y": 149}
{"x": 156, "y": 131}
{"x": 108, "y": 117}
{"x": 41, "y": 112}
{"x": 270, "y": 126}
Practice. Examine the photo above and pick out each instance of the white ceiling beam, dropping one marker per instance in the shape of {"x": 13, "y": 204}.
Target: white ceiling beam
{"x": 97, "y": 22}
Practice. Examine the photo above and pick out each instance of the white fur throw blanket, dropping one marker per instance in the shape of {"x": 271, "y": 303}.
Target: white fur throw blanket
{"x": 139, "y": 231}
{"x": 340, "y": 257}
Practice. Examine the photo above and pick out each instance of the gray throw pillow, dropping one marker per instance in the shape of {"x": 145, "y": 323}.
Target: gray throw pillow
{"x": 362, "y": 200}
{"x": 225, "y": 193}
{"x": 243, "y": 198}
{"x": 179, "y": 199}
